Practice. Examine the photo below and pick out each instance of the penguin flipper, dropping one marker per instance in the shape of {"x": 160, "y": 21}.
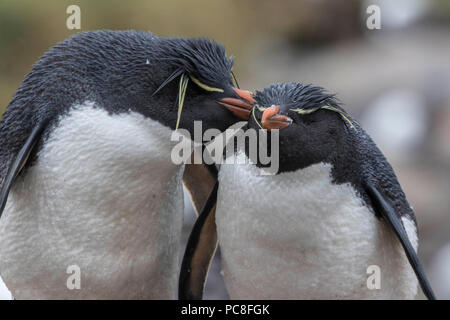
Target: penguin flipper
{"x": 200, "y": 249}
{"x": 386, "y": 210}
{"x": 19, "y": 162}
{"x": 192, "y": 176}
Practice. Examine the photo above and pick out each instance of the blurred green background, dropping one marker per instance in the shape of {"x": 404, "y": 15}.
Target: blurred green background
{"x": 395, "y": 81}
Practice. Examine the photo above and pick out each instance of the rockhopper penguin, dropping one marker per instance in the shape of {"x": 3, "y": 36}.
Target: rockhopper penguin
{"x": 313, "y": 230}
{"x": 85, "y": 158}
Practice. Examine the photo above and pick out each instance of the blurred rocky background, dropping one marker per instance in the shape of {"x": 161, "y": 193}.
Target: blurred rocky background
{"x": 395, "y": 80}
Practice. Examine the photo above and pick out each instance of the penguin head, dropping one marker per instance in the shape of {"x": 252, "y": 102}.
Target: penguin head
{"x": 201, "y": 83}
{"x": 312, "y": 125}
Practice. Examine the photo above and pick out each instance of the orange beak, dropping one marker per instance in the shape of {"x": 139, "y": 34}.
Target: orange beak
{"x": 272, "y": 120}
{"x": 240, "y": 108}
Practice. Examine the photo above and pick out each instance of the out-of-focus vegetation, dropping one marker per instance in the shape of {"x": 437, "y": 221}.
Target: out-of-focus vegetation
{"x": 28, "y": 28}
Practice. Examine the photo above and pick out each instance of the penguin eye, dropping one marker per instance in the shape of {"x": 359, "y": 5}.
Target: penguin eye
{"x": 305, "y": 117}
{"x": 204, "y": 86}
{"x": 341, "y": 113}
{"x": 308, "y": 121}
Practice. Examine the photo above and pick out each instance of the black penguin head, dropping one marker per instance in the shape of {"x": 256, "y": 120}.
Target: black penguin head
{"x": 174, "y": 81}
{"x": 202, "y": 85}
{"x": 312, "y": 126}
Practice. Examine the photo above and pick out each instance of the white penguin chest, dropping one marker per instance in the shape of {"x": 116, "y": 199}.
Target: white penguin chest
{"x": 296, "y": 235}
{"x": 103, "y": 196}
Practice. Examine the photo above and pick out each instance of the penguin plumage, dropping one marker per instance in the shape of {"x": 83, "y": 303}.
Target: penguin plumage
{"x": 85, "y": 160}
{"x": 333, "y": 210}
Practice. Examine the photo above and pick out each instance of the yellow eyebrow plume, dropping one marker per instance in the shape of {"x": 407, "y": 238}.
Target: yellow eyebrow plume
{"x": 181, "y": 94}
{"x": 204, "y": 86}
{"x": 260, "y": 108}
{"x": 254, "y": 118}
{"x": 342, "y": 114}
{"x": 305, "y": 111}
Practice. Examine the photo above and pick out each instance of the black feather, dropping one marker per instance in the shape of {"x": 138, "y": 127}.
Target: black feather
{"x": 110, "y": 68}
{"x": 175, "y": 74}
{"x": 295, "y": 95}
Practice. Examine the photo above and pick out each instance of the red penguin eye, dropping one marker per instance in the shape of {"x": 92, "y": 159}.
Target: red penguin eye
{"x": 308, "y": 120}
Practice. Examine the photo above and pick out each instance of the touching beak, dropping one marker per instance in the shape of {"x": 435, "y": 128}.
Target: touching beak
{"x": 272, "y": 120}
{"x": 240, "y": 107}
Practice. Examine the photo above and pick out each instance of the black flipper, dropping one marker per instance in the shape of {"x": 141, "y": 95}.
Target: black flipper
{"x": 199, "y": 252}
{"x": 199, "y": 180}
{"x": 19, "y": 162}
{"x": 385, "y": 209}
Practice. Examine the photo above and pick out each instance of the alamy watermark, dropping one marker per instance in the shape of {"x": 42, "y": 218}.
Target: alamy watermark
{"x": 221, "y": 147}
{"x": 374, "y": 19}
{"x": 374, "y": 280}
{"x": 74, "y": 19}
{"x": 74, "y": 280}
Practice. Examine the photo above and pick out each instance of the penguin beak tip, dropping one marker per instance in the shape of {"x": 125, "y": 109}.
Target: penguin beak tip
{"x": 272, "y": 120}
{"x": 239, "y": 107}
{"x": 244, "y": 94}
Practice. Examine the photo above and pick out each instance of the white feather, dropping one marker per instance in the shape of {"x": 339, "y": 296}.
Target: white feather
{"x": 296, "y": 235}
{"x": 103, "y": 195}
